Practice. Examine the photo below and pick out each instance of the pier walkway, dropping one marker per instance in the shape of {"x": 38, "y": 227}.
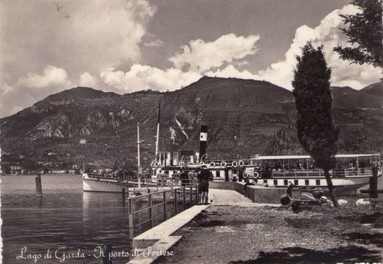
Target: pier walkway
{"x": 164, "y": 236}
{"x": 224, "y": 197}
{"x": 227, "y": 197}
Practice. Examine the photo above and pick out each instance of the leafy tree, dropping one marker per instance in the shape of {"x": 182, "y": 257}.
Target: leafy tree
{"x": 364, "y": 31}
{"x": 316, "y": 131}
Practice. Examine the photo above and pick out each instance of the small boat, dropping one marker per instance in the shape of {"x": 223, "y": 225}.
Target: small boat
{"x": 106, "y": 183}
{"x": 117, "y": 181}
{"x": 90, "y": 183}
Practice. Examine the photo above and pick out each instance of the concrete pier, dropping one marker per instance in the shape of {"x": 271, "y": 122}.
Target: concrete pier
{"x": 161, "y": 238}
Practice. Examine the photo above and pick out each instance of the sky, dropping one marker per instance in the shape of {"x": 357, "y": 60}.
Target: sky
{"x": 129, "y": 45}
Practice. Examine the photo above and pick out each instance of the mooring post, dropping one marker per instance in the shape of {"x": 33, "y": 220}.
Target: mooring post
{"x": 39, "y": 188}
{"x": 175, "y": 201}
{"x": 164, "y": 197}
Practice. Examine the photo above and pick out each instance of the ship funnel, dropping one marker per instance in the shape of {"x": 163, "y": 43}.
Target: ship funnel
{"x": 203, "y": 143}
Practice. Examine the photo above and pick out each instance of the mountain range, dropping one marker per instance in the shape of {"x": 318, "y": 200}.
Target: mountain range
{"x": 244, "y": 117}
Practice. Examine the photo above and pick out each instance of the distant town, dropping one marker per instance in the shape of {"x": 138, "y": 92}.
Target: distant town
{"x": 52, "y": 163}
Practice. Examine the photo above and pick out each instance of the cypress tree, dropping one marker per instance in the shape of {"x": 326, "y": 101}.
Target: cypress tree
{"x": 316, "y": 130}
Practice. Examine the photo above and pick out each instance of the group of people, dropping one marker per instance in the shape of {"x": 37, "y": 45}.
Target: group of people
{"x": 203, "y": 176}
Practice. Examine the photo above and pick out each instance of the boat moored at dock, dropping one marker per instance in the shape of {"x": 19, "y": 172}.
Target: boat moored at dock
{"x": 352, "y": 171}
{"x": 97, "y": 183}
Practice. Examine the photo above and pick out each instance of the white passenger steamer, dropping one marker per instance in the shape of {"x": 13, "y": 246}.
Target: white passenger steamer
{"x": 352, "y": 171}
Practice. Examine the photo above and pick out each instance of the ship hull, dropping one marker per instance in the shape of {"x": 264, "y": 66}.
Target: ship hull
{"x": 342, "y": 186}
{"x": 101, "y": 185}
{"x": 113, "y": 186}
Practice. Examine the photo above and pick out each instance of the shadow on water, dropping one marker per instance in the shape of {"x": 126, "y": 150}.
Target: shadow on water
{"x": 366, "y": 238}
{"x": 374, "y": 218}
{"x": 298, "y": 255}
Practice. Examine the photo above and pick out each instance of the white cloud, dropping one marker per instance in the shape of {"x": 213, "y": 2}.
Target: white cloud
{"x": 51, "y": 77}
{"x": 144, "y": 77}
{"x": 87, "y": 80}
{"x": 101, "y": 34}
{"x": 109, "y": 32}
{"x": 327, "y": 33}
{"x": 154, "y": 43}
{"x": 81, "y": 36}
{"x": 200, "y": 56}
{"x": 232, "y": 72}
{"x": 31, "y": 88}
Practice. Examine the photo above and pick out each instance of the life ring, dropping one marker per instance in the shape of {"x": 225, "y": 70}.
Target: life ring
{"x": 235, "y": 164}
{"x": 256, "y": 175}
{"x": 212, "y": 164}
{"x": 223, "y": 164}
{"x": 241, "y": 163}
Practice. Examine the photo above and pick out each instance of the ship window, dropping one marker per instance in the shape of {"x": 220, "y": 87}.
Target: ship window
{"x": 275, "y": 182}
{"x": 285, "y": 182}
{"x": 317, "y": 182}
{"x": 295, "y": 182}
{"x": 306, "y": 182}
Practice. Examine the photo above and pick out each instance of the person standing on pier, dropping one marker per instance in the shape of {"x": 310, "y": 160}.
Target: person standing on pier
{"x": 203, "y": 185}
{"x": 289, "y": 190}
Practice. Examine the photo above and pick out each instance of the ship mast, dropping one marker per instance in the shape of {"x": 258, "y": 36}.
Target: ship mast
{"x": 1, "y": 171}
{"x": 139, "y": 169}
{"x": 157, "y": 133}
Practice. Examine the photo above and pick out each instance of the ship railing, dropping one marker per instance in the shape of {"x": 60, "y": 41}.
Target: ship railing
{"x": 172, "y": 181}
{"x": 303, "y": 173}
{"x": 359, "y": 172}
{"x": 150, "y": 209}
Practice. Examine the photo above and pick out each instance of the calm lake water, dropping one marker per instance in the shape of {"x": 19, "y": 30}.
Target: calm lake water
{"x": 64, "y": 226}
